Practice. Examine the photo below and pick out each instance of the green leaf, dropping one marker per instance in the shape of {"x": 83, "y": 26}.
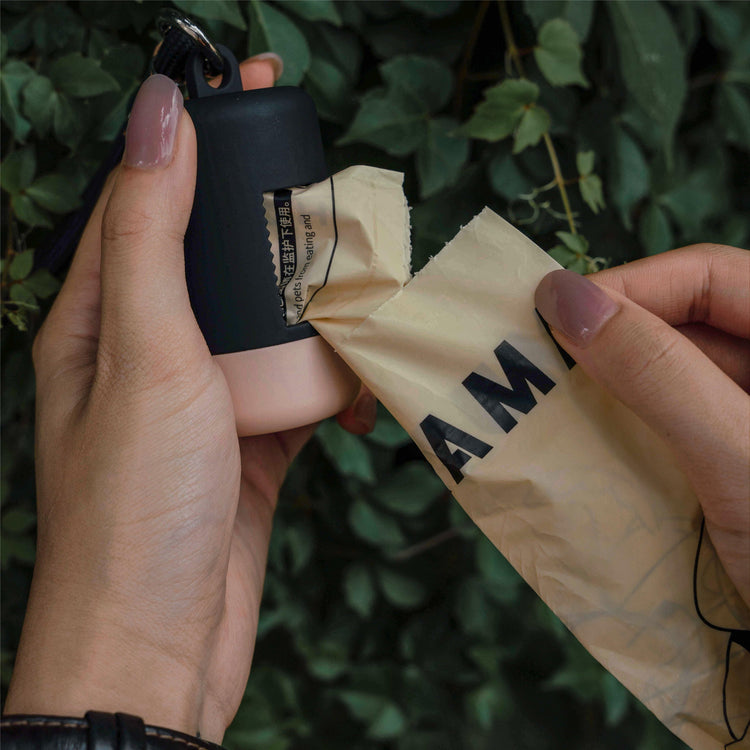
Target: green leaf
{"x": 20, "y": 319}
{"x": 578, "y": 13}
{"x": 585, "y": 162}
{"x": 68, "y": 129}
{"x": 387, "y": 123}
{"x": 328, "y": 664}
{"x": 28, "y": 212}
{"x": 575, "y": 242}
{"x": 389, "y": 723}
{"x": 374, "y": 526}
{"x": 411, "y": 489}
{"x": 21, "y": 265}
{"x": 506, "y": 178}
{"x": 388, "y": 432}
{"x": 616, "y": 699}
{"x": 534, "y": 123}
{"x": 733, "y": 112}
{"x": 331, "y": 89}
{"x": 558, "y": 54}
{"x": 271, "y": 30}
{"x": 19, "y": 548}
{"x": 362, "y": 705}
{"x": 591, "y": 192}
{"x": 214, "y": 10}
{"x": 652, "y": 61}
{"x": 300, "y": 542}
{"x": 654, "y": 230}
{"x": 17, "y": 521}
{"x": 401, "y": 591}
{"x": 111, "y": 125}
{"x": 38, "y": 103}
{"x": 359, "y": 590}
{"x": 489, "y": 703}
{"x": 395, "y": 118}
{"x": 18, "y": 169}
{"x": 13, "y": 77}
{"x": 314, "y": 10}
{"x": 80, "y": 77}
{"x": 422, "y": 81}
{"x": 500, "y": 579}
{"x": 441, "y": 156}
{"x": 628, "y": 175}
{"x": 42, "y": 283}
{"x": 52, "y": 191}
{"x": 19, "y": 292}
{"x": 502, "y": 109}
{"x": 430, "y": 8}
{"x": 563, "y": 255}
{"x": 57, "y": 26}
{"x": 347, "y": 452}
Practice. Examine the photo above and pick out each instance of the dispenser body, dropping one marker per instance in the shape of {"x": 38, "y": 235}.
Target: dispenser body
{"x": 251, "y": 142}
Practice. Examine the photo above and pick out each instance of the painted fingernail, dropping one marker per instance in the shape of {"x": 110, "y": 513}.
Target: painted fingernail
{"x": 275, "y": 60}
{"x": 152, "y": 127}
{"x": 366, "y": 411}
{"x": 574, "y": 305}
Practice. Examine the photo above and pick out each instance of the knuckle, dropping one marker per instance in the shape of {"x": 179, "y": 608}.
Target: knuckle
{"x": 138, "y": 361}
{"x": 121, "y": 224}
{"x": 653, "y": 362}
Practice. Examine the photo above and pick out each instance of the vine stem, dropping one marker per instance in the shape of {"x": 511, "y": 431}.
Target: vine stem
{"x": 465, "y": 62}
{"x": 515, "y": 55}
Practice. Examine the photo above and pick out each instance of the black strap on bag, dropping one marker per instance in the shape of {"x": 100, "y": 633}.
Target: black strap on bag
{"x": 180, "y": 37}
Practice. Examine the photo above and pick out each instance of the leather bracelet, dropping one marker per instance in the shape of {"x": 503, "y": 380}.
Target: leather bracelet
{"x": 97, "y": 731}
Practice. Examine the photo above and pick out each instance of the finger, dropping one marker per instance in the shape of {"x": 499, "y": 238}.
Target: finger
{"x": 697, "y": 284}
{"x": 674, "y": 388}
{"x": 258, "y": 72}
{"x": 729, "y": 353}
{"x": 360, "y": 417}
{"x": 66, "y": 344}
{"x": 261, "y": 71}
{"x": 144, "y": 295}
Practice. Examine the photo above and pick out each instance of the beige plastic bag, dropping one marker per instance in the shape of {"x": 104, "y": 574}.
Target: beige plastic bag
{"x": 576, "y": 491}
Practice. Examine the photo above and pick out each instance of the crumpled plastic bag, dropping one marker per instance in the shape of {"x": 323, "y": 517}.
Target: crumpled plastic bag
{"x": 583, "y": 499}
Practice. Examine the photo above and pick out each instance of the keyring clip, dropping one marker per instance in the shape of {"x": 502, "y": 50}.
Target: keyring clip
{"x": 169, "y": 19}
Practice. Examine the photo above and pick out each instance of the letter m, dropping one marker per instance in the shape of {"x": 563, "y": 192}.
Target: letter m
{"x": 494, "y": 397}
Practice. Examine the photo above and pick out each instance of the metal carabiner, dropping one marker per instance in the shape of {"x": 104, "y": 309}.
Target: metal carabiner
{"x": 170, "y": 19}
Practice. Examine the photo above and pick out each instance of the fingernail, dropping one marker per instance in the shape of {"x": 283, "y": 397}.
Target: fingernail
{"x": 366, "y": 411}
{"x": 275, "y": 60}
{"x": 152, "y": 126}
{"x": 574, "y": 305}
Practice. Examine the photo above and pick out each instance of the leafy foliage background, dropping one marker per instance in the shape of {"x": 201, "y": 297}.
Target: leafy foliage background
{"x": 388, "y": 621}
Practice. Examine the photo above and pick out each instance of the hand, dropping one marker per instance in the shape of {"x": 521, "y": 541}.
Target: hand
{"x": 154, "y": 518}
{"x": 670, "y": 337}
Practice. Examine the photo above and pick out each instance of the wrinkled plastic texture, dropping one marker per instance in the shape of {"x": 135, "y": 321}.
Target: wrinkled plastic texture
{"x": 577, "y": 492}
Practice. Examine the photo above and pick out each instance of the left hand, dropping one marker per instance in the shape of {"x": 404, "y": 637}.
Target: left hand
{"x": 154, "y": 518}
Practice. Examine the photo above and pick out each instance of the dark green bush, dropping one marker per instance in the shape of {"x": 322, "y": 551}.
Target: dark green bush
{"x": 604, "y": 131}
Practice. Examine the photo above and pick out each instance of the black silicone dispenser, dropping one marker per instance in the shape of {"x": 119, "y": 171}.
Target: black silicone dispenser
{"x": 251, "y": 142}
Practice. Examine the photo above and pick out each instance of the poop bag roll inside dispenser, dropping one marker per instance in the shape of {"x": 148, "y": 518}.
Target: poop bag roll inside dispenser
{"x": 251, "y": 142}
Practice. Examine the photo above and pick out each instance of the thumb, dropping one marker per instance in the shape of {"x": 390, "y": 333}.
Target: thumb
{"x": 144, "y": 294}
{"x": 672, "y": 386}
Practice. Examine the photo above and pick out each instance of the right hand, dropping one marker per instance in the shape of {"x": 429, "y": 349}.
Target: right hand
{"x": 669, "y": 336}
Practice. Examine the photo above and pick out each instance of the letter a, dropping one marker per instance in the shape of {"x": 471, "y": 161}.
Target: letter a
{"x": 439, "y": 434}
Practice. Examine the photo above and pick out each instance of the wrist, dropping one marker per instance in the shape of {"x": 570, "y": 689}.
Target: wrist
{"x": 75, "y": 659}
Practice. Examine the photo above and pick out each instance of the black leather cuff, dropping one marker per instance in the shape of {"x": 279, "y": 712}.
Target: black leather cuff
{"x": 97, "y": 731}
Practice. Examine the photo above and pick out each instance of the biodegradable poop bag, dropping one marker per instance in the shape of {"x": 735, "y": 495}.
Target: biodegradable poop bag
{"x": 580, "y": 496}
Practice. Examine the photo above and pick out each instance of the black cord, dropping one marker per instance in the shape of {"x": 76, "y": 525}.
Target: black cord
{"x": 736, "y": 635}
